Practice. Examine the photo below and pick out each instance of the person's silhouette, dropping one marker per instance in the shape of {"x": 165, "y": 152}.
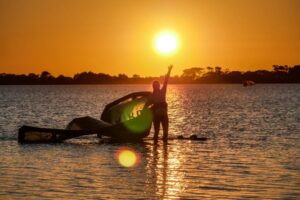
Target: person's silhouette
{"x": 160, "y": 107}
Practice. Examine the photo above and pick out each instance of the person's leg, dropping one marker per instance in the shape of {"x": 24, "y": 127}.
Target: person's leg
{"x": 165, "y": 125}
{"x": 156, "y": 124}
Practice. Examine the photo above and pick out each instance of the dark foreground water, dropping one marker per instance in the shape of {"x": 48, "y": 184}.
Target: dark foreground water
{"x": 253, "y": 149}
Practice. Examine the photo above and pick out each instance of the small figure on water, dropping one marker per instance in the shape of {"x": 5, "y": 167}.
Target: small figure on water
{"x": 160, "y": 107}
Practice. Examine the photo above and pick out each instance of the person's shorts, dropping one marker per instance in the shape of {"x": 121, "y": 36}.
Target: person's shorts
{"x": 160, "y": 113}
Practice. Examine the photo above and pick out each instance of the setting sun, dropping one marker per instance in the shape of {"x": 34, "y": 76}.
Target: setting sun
{"x": 166, "y": 42}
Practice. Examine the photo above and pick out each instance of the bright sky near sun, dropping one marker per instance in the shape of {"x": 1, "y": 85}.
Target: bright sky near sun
{"x": 70, "y": 36}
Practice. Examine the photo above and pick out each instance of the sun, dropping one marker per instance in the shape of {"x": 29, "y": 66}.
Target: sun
{"x": 166, "y": 42}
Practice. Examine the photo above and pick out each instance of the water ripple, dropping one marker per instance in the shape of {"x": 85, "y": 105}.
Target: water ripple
{"x": 253, "y": 149}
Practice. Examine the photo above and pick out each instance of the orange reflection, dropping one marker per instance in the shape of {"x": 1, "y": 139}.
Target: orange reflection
{"x": 164, "y": 168}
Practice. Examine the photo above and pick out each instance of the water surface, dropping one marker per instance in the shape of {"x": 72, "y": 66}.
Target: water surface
{"x": 253, "y": 149}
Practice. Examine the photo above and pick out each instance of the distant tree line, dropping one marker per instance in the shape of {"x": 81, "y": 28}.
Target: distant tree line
{"x": 279, "y": 74}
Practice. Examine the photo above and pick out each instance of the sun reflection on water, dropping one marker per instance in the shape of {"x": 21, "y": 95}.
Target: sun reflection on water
{"x": 164, "y": 168}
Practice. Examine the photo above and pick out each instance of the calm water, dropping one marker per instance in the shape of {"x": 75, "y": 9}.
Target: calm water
{"x": 253, "y": 149}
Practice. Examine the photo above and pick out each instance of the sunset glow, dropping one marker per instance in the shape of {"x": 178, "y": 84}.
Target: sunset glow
{"x": 136, "y": 37}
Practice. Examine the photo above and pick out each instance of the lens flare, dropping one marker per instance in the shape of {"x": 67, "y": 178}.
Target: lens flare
{"x": 127, "y": 157}
{"x": 141, "y": 123}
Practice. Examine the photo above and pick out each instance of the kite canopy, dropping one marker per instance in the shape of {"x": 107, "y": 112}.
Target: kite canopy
{"x": 125, "y": 108}
{"x": 126, "y": 119}
{"x": 128, "y": 116}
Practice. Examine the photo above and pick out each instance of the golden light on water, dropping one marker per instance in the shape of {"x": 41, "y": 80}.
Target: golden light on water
{"x": 166, "y": 42}
{"x": 127, "y": 157}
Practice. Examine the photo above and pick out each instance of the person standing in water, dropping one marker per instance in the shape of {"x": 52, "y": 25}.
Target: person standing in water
{"x": 160, "y": 107}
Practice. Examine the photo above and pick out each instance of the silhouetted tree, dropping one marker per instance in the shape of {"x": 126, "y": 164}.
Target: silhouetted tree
{"x": 45, "y": 75}
{"x": 294, "y": 74}
{"x": 209, "y": 69}
{"x": 218, "y": 70}
{"x": 281, "y": 68}
{"x": 61, "y": 79}
{"x": 192, "y": 73}
{"x": 136, "y": 76}
{"x": 46, "y": 78}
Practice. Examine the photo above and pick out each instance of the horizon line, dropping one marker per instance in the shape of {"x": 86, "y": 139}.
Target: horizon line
{"x": 226, "y": 69}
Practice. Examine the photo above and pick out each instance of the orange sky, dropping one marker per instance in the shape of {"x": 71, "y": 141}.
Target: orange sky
{"x": 69, "y": 36}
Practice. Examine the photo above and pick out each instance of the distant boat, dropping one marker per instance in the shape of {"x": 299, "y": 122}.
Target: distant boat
{"x": 248, "y": 83}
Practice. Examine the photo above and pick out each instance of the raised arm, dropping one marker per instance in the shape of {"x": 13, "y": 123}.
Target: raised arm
{"x": 164, "y": 87}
